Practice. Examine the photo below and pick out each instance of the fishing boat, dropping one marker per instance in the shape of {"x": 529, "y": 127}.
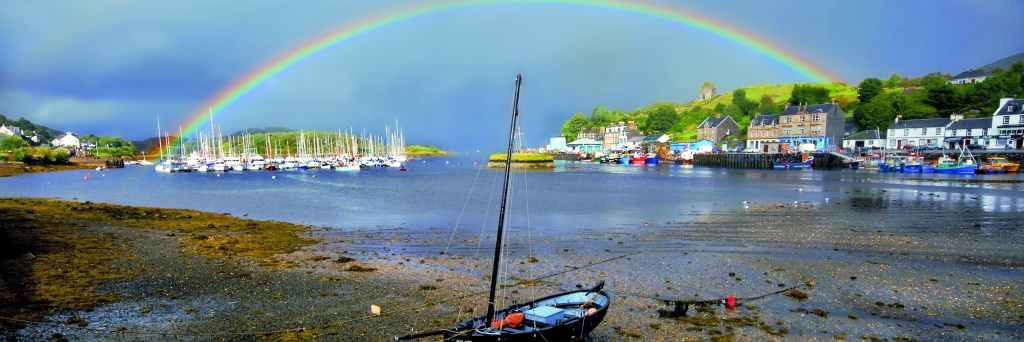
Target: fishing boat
{"x": 963, "y": 164}
{"x": 805, "y": 162}
{"x": 1002, "y": 162}
{"x": 566, "y": 316}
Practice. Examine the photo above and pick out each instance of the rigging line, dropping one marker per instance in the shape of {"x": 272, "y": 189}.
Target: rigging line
{"x": 708, "y": 301}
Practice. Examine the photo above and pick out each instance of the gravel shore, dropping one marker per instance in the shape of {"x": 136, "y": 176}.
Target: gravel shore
{"x": 916, "y": 276}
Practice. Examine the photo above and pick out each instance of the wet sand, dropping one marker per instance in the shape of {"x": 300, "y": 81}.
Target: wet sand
{"x": 877, "y": 269}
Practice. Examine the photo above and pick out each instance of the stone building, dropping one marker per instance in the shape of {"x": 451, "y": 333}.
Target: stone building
{"x": 707, "y": 90}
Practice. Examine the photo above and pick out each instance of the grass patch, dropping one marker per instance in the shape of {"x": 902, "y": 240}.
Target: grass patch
{"x": 522, "y": 157}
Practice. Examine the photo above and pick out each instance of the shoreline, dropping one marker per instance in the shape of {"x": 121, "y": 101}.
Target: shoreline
{"x": 176, "y": 275}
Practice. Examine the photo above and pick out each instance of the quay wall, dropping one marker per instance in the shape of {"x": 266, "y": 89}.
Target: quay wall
{"x": 763, "y": 160}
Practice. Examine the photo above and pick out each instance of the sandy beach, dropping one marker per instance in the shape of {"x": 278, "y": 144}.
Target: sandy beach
{"x": 161, "y": 274}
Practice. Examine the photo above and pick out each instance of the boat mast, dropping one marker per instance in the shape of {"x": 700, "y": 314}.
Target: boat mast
{"x": 504, "y": 197}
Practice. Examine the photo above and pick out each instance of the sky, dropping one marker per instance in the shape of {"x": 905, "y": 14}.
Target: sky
{"x": 446, "y": 76}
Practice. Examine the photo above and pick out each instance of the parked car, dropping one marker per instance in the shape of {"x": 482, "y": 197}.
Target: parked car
{"x": 930, "y": 147}
{"x": 909, "y": 147}
{"x": 976, "y": 146}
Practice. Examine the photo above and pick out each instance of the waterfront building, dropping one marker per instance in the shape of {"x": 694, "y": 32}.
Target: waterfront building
{"x": 917, "y": 132}
{"x": 866, "y": 140}
{"x": 1008, "y": 123}
{"x": 717, "y": 128}
{"x": 819, "y": 126}
{"x": 763, "y": 130}
{"x": 557, "y": 144}
{"x": 68, "y": 140}
{"x": 584, "y": 145}
{"x": 616, "y": 135}
{"x": 968, "y": 131}
{"x": 10, "y": 130}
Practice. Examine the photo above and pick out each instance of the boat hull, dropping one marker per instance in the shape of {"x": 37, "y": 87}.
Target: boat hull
{"x": 801, "y": 165}
{"x": 957, "y": 169}
{"x": 575, "y": 326}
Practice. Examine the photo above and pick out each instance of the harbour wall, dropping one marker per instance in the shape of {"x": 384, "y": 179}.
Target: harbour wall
{"x": 763, "y": 160}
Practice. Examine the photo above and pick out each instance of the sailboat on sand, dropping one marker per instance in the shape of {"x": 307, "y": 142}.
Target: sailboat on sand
{"x": 566, "y": 316}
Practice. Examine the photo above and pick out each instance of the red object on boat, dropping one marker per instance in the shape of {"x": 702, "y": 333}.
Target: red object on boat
{"x": 730, "y": 301}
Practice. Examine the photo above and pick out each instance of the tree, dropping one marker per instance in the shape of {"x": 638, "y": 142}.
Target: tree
{"x": 933, "y": 79}
{"x": 905, "y": 82}
{"x": 600, "y": 116}
{"x": 868, "y": 89}
{"x": 662, "y": 117}
{"x": 809, "y": 94}
{"x": 740, "y": 100}
{"x": 571, "y": 129}
{"x": 12, "y": 143}
{"x": 945, "y": 98}
{"x": 767, "y": 105}
{"x": 877, "y": 114}
{"x": 893, "y": 82}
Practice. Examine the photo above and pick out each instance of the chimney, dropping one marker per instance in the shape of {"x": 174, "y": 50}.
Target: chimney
{"x": 718, "y": 116}
{"x": 898, "y": 117}
{"x": 956, "y": 117}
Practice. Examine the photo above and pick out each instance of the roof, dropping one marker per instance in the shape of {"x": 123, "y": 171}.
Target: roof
{"x": 920, "y": 123}
{"x": 637, "y": 139}
{"x": 971, "y": 123}
{"x": 824, "y": 108}
{"x": 766, "y": 120}
{"x": 1017, "y": 105}
{"x": 714, "y": 122}
{"x": 866, "y": 135}
{"x": 972, "y": 73}
{"x": 585, "y": 141}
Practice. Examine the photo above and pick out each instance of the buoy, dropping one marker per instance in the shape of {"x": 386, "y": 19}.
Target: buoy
{"x": 86, "y": 177}
{"x": 273, "y": 177}
{"x": 374, "y": 310}
{"x": 730, "y": 301}
{"x": 314, "y": 176}
{"x": 218, "y": 175}
{"x": 104, "y": 175}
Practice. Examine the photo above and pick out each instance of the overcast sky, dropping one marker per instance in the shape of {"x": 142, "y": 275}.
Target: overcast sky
{"x": 114, "y": 67}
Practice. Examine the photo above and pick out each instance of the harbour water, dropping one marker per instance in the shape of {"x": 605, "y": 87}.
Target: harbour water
{"x": 445, "y": 191}
{"x": 935, "y": 243}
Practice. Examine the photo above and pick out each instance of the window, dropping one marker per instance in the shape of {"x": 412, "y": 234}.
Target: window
{"x": 789, "y": 119}
{"x": 1021, "y": 119}
{"x": 924, "y": 131}
{"x": 938, "y": 131}
{"x": 816, "y": 129}
{"x": 801, "y": 130}
{"x": 1009, "y": 109}
{"x": 802, "y": 118}
{"x": 892, "y": 142}
{"x": 1006, "y": 119}
{"x": 906, "y": 132}
{"x": 816, "y": 117}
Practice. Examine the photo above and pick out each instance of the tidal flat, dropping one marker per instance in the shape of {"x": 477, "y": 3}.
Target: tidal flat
{"x": 85, "y": 271}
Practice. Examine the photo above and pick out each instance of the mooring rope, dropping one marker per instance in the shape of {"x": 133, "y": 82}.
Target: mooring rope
{"x": 715, "y": 301}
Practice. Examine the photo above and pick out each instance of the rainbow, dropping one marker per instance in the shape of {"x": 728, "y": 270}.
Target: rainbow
{"x": 232, "y": 93}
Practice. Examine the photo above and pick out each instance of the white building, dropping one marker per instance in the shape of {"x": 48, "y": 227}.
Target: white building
{"x": 68, "y": 140}
{"x": 865, "y": 141}
{"x": 10, "y": 130}
{"x": 1008, "y": 124}
{"x": 969, "y": 76}
{"x": 916, "y": 132}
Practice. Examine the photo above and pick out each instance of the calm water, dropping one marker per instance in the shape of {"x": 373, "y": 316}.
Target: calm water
{"x": 440, "y": 192}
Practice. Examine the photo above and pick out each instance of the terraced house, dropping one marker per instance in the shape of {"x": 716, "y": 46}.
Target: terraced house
{"x": 763, "y": 133}
{"x": 916, "y": 132}
{"x": 807, "y": 127}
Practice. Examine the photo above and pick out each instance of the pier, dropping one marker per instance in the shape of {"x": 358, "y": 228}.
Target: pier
{"x": 764, "y": 160}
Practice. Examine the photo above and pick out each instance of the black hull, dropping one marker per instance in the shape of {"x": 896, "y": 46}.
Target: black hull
{"x": 568, "y": 329}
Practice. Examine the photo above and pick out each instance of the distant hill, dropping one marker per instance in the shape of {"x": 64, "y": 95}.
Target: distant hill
{"x": 1004, "y": 63}
{"x": 28, "y": 127}
{"x": 268, "y": 129}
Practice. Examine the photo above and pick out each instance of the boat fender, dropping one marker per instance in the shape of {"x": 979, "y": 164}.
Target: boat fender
{"x": 591, "y": 311}
{"x": 730, "y": 301}
{"x": 513, "y": 320}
